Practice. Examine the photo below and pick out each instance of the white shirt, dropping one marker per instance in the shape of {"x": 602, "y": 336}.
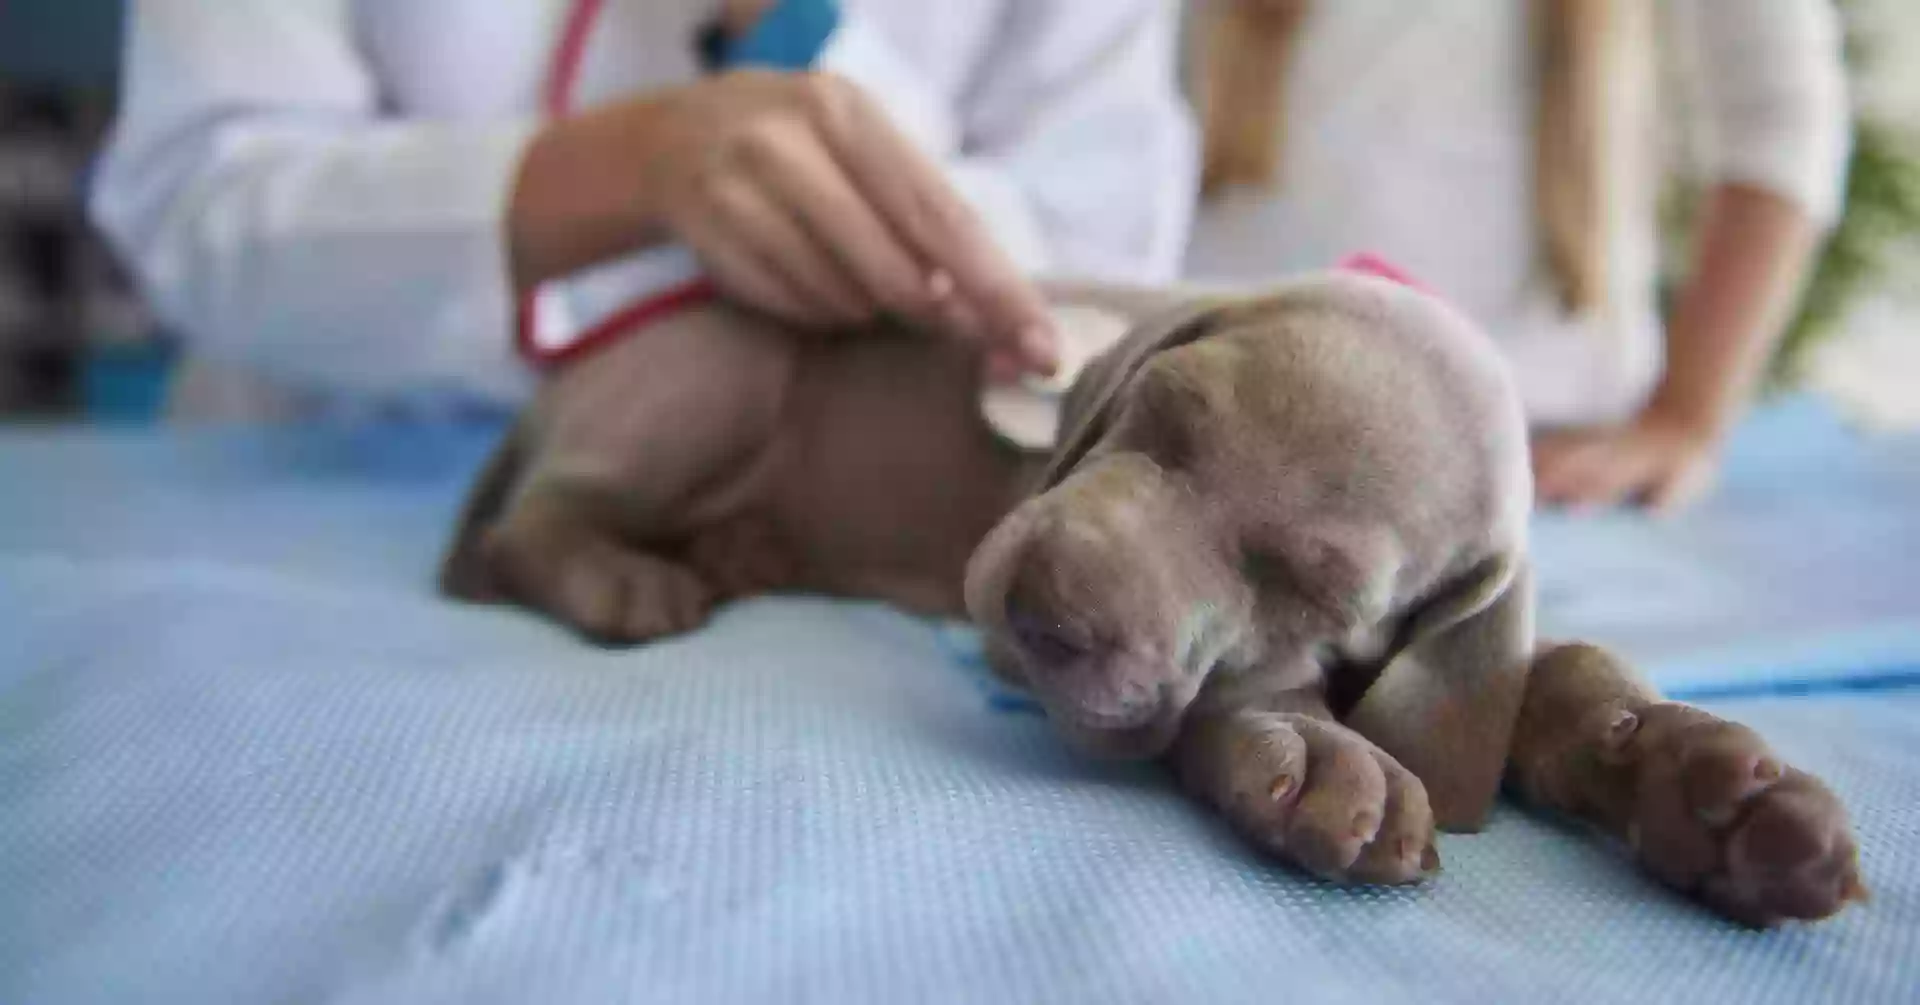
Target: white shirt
{"x": 315, "y": 189}
{"x": 1410, "y": 135}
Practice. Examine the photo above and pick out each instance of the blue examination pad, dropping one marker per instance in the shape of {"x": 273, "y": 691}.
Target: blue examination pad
{"x": 246, "y": 755}
{"x": 1797, "y": 574}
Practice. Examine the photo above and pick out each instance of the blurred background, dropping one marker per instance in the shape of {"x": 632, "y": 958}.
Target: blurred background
{"x": 75, "y": 343}
{"x": 1858, "y": 334}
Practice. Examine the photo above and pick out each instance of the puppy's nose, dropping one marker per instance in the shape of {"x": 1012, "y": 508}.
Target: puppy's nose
{"x": 1091, "y": 685}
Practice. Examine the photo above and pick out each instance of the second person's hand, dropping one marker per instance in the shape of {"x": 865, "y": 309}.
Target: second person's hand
{"x": 1656, "y": 461}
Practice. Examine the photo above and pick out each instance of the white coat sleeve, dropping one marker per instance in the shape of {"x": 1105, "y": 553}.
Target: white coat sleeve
{"x": 278, "y": 220}
{"x": 1074, "y": 142}
{"x": 1769, "y": 83}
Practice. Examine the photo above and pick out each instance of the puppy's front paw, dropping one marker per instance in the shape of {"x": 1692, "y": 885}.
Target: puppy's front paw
{"x": 1326, "y": 799}
{"x": 1713, "y": 812}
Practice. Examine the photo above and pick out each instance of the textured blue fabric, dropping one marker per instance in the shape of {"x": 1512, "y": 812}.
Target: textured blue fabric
{"x": 246, "y": 755}
{"x": 1798, "y": 572}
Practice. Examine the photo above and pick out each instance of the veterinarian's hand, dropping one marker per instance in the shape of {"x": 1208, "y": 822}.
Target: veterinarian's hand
{"x": 1659, "y": 461}
{"x": 798, "y": 195}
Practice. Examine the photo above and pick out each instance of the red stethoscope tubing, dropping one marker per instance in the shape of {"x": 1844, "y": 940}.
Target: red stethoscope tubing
{"x": 559, "y": 101}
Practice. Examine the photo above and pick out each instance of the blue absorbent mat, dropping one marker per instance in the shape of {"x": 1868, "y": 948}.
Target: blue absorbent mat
{"x": 246, "y": 755}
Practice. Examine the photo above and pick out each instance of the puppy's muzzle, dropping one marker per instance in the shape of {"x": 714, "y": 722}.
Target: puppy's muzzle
{"x": 1082, "y": 681}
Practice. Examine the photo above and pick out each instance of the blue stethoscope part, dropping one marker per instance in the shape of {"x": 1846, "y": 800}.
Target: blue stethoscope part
{"x": 789, "y": 36}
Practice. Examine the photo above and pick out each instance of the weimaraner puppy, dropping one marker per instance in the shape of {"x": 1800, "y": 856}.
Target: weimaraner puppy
{"x": 1280, "y": 544}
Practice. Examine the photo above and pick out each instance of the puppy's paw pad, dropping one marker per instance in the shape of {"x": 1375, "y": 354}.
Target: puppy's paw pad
{"x": 1718, "y": 815}
{"x": 1327, "y": 800}
{"x": 1402, "y": 849}
{"x": 1267, "y": 772}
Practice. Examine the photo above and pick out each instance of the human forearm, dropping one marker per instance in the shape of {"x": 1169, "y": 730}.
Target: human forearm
{"x": 1754, "y": 252}
{"x": 574, "y": 205}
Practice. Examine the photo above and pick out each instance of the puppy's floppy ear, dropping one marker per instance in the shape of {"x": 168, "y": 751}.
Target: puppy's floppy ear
{"x": 1090, "y": 403}
{"x": 1445, "y": 706}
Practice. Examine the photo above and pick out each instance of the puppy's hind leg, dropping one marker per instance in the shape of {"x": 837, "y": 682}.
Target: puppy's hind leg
{"x": 547, "y": 546}
{"x": 623, "y": 454}
{"x": 555, "y": 550}
{"x": 1705, "y": 805}
{"x": 464, "y": 571}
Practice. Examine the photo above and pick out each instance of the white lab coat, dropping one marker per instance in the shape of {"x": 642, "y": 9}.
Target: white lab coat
{"x": 1410, "y": 135}
{"x": 314, "y": 189}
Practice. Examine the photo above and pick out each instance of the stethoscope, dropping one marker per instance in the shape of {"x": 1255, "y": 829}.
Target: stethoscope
{"x": 789, "y": 35}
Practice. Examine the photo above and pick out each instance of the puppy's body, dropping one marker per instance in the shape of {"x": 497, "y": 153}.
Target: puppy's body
{"x": 755, "y": 459}
{"x": 1263, "y": 511}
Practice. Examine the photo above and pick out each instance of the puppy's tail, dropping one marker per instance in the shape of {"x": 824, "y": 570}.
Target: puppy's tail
{"x": 464, "y": 572}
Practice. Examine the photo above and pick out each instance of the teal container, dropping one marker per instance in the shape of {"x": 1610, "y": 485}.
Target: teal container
{"x": 126, "y": 383}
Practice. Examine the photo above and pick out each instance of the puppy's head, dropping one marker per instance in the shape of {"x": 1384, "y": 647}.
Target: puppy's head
{"x": 1241, "y": 485}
